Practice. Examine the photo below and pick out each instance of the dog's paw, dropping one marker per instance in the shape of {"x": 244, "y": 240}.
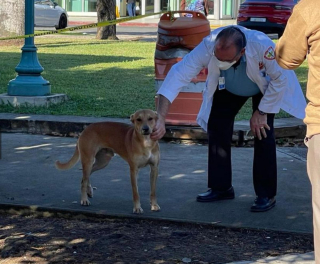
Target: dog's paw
{"x": 85, "y": 202}
{"x": 90, "y": 191}
{"x": 138, "y": 210}
{"x": 155, "y": 207}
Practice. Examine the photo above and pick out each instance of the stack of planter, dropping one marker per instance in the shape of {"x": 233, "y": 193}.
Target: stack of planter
{"x": 177, "y": 36}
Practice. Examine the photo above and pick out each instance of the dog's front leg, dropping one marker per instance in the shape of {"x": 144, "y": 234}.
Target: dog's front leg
{"x": 153, "y": 182}
{"x": 135, "y": 193}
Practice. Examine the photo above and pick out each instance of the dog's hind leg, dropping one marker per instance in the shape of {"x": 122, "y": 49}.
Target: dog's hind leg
{"x": 153, "y": 182}
{"x": 102, "y": 159}
{"x": 135, "y": 194}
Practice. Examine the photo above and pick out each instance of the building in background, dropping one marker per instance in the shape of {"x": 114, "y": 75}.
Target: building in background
{"x": 218, "y": 9}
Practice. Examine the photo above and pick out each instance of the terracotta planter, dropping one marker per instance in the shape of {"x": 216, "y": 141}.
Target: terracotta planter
{"x": 177, "y": 36}
{"x": 182, "y": 31}
{"x": 184, "y": 109}
{"x": 162, "y": 68}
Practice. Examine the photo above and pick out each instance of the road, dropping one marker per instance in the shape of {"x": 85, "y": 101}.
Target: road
{"x": 147, "y": 33}
{"x": 122, "y": 30}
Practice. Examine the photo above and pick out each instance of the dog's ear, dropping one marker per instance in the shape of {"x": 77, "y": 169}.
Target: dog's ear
{"x": 132, "y": 118}
{"x": 156, "y": 115}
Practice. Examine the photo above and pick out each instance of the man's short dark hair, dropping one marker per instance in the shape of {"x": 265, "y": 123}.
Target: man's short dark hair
{"x": 235, "y": 34}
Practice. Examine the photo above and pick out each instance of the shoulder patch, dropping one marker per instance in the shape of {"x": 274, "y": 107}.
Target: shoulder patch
{"x": 269, "y": 54}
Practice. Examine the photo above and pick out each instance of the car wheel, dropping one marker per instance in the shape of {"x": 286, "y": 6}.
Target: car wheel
{"x": 63, "y": 22}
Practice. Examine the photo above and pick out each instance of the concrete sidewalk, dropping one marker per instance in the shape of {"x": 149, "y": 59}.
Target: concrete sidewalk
{"x": 28, "y": 177}
{"x": 307, "y": 258}
{"x": 183, "y": 174}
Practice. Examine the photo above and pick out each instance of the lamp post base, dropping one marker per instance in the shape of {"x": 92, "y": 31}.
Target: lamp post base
{"x": 29, "y": 85}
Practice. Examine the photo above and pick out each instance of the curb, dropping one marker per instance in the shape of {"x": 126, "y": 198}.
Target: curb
{"x": 80, "y": 23}
{"x": 130, "y": 24}
{"x": 42, "y": 211}
{"x": 20, "y": 209}
{"x": 137, "y": 24}
{"x": 66, "y": 126}
{"x": 127, "y": 24}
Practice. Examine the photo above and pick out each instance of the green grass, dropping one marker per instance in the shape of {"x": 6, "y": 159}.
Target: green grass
{"x": 100, "y": 78}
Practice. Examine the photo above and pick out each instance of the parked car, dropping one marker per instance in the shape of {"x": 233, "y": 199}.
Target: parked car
{"x": 268, "y": 16}
{"x": 48, "y": 13}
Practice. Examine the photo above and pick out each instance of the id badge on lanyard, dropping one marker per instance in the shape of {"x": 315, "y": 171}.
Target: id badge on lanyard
{"x": 222, "y": 83}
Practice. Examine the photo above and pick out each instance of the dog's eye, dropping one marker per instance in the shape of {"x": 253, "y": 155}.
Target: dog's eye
{"x": 139, "y": 119}
{"x": 150, "y": 118}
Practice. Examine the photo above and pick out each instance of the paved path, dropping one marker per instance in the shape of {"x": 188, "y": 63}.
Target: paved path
{"x": 28, "y": 177}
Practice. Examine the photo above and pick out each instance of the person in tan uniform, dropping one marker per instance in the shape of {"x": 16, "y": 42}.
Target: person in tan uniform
{"x": 301, "y": 40}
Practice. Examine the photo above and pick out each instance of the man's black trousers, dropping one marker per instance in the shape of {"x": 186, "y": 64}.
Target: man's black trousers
{"x": 225, "y": 106}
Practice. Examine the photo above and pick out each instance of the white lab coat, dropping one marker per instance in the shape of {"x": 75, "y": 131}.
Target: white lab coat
{"x": 280, "y": 88}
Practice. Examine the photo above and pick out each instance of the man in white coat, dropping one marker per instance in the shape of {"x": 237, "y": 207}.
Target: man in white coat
{"x": 241, "y": 64}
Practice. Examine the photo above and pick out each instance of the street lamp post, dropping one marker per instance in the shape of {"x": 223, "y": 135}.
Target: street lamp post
{"x": 29, "y": 81}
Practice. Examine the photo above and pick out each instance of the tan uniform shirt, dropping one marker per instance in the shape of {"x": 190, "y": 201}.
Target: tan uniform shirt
{"x": 301, "y": 38}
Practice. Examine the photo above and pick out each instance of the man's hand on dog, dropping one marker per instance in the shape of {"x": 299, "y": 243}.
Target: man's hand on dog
{"x": 160, "y": 129}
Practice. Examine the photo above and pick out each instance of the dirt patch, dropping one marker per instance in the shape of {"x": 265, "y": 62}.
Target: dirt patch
{"x": 83, "y": 239}
{"x": 12, "y": 42}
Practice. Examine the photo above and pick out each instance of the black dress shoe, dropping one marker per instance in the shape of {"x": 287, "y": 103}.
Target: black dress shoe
{"x": 262, "y": 204}
{"x": 211, "y": 195}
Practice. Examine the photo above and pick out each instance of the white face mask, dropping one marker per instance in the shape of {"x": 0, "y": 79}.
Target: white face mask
{"x": 224, "y": 65}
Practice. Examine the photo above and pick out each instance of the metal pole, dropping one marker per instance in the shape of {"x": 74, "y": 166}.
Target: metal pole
{"x": 29, "y": 81}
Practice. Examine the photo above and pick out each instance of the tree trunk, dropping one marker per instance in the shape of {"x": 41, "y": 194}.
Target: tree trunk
{"x": 106, "y": 10}
{"x": 12, "y": 19}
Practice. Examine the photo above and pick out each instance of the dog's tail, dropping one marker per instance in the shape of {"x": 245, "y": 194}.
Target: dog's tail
{"x": 68, "y": 165}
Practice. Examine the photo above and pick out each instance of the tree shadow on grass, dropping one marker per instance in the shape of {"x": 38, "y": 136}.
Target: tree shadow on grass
{"x": 63, "y": 61}
{"x": 69, "y": 43}
{"x": 93, "y": 87}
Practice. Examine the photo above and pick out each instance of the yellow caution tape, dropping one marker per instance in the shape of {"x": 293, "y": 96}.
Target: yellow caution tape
{"x": 100, "y": 24}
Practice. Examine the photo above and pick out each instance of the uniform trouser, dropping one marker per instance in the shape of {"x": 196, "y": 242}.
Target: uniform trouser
{"x": 313, "y": 167}
{"x": 225, "y": 106}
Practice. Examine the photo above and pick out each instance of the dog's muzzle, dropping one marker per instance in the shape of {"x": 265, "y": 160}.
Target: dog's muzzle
{"x": 145, "y": 130}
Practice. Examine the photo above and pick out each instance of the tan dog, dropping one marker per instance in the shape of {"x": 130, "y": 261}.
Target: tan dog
{"x": 99, "y": 142}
